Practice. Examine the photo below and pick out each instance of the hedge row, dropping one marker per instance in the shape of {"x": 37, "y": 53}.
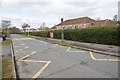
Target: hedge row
{"x": 39, "y": 33}
{"x": 101, "y": 35}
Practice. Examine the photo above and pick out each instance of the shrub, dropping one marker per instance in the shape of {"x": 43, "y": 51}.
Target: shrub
{"x": 102, "y": 35}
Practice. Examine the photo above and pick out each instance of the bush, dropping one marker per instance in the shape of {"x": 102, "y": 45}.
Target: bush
{"x": 101, "y": 35}
{"x": 39, "y": 33}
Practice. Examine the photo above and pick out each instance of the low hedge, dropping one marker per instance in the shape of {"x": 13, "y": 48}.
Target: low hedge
{"x": 39, "y": 33}
{"x": 101, "y": 35}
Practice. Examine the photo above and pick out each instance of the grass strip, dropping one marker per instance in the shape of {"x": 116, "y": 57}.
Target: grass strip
{"x": 62, "y": 42}
{"x": 8, "y": 36}
{"x": 7, "y": 69}
{"x": 6, "y": 42}
{"x": 29, "y": 36}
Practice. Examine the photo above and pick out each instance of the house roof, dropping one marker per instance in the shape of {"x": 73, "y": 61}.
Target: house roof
{"x": 77, "y": 21}
{"x": 53, "y": 27}
{"x": 84, "y": 20}
{"x": 105, "y": 22}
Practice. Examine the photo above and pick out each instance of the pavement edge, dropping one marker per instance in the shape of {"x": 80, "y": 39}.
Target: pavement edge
{"x": 97, "y": 51}
{"x": 88, "y": 49}
{"x": 15, "y": 72}
{"x": 83, "y": 48}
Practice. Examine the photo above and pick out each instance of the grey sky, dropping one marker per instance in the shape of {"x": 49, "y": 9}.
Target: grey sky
{"x": 51, "y": 11}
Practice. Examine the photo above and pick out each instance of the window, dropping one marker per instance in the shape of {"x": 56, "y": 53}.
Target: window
{"x": 84, "y": 25}
{"x": 62, "y": 27}
{"x": 92, "y": 23}
{"x": 75, "y": 26}
{"x": 70, "y": 26}
{"x": 59, "y": 27}
{"x": 66, "y": 27}
{"x": 80, "y": 26}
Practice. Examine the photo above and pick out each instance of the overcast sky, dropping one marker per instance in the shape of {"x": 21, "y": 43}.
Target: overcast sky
{"x": 51, "y": 11}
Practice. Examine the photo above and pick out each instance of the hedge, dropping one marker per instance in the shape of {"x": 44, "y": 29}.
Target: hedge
{"x": 101, "y": 35}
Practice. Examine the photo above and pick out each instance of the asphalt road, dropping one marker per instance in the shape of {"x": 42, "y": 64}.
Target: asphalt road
{"x": 39, "y": 59}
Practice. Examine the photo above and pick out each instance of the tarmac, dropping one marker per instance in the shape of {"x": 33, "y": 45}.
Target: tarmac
{"x": 99, "y": 48}
{"x": 40, "y": 59}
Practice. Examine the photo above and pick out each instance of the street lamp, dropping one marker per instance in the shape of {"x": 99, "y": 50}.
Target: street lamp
{"x": 62, "y": 35}
{"x": 28, "y": 26}
{"x": 62, "y": 29}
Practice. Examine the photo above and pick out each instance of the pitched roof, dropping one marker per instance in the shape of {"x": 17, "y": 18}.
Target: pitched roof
{"x": 104, "y": 22}
{"x": 77, "y": 21}
{"x": 54, "y": 27}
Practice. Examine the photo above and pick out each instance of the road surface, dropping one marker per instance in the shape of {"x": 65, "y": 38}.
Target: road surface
{"x": 39, "y": 59}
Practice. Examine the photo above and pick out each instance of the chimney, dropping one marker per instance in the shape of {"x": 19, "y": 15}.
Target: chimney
{"x": 61, "y": 20}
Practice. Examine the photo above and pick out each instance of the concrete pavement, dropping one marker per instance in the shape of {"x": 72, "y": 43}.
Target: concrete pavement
{"x": 5, "y": 51}
{"x": 101, "y": 47}
{"x": 98, "y": 48}
{"x": 39, "y": 59}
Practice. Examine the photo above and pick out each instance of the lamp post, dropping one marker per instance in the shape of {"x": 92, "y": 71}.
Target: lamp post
{"x": 62, "y": 35}
{"x": 28, "y": 27}
{"x": 62, "y": 30}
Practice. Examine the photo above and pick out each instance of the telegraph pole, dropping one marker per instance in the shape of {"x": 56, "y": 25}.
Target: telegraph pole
{"x": 62, "y": 30}
{"x": 62, "y": 35}
{"x": 28, "y": 26}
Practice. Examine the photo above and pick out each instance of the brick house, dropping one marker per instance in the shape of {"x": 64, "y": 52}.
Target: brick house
{"x": 102, "y": 23}
{"x": 83, "y": 22}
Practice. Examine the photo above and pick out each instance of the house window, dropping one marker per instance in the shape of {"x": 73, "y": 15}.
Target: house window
{"x": 59, "y": 27}
{"x": 70, "y": 26}
{"x": 63, "y": 27}
{"x": 80, "y": 26}
{"x": 84, "y": 25}
{"x": 75, "y": 26}
{"x": 92, "y": 23}
{"x": 66, "y": 27}
{"x": 56, "y": 27}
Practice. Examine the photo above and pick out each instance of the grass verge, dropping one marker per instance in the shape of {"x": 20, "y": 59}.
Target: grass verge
{"x": 29, "y": 36}
{"x": 62, "y": 42}
{"x": 8, "y": 36}
{"x": 7, "y": 69}
{"x": 6, "y": 42}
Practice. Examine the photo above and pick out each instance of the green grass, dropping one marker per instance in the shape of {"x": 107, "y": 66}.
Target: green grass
{"x": 0, "y": 69}
{"x": 29, "y": 36}
{"x": 7, "y": 69}
{"x": 8, "y": 36}
{"x": 62, "y": 42}
{"x": 6, "y": 42}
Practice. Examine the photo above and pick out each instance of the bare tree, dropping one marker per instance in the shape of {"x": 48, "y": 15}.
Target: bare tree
{"x": 5, "y": 24}
{"x": 14, "y": 30}
{"x": 43, "y": 25}
{"x": 115, "y": 18}
{"x": 24, "y": 26}
{"x": 40, "y": 27}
